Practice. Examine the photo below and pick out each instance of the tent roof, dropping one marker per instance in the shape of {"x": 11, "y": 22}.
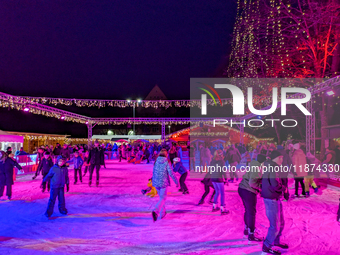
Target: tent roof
{"x": 9, "y": 138}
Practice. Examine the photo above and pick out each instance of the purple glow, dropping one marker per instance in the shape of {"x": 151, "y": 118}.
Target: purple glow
{"x": 26, "y": 109}
{"x": 330, "y": 93}
{"x": 86, "y": 122}
{"x": 62, "y": 117}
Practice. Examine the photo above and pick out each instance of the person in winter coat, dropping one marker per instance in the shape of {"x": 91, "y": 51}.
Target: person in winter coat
{"x": 248, "y": 189}
{"x": 274, "y": 186}
{"x": 299, "y": 162}
{"x": 287, "y": 161}
{"x": 87, "y": 165}
{"x": 146, "y": 154}
{"x": 179, "y": 168}
{"x": 6, "y": 173}
{"x": 58, "y": 175}
{"x": 65, "y": 152}
{"x": 57, "y": 150}
{"x": 21, "y": 152}
{"x": 40, "y": 156}
{"x": 205, "y": 156}
{"x": 45, "y": 166}
{"x": 96, "y": 159}
{"x": 234, "y": 158}
{"x": 160, "y": 180}
{"x": 77, "y": 165}
{"x": 207, "y": 185}
{"x": 173, "y": 153}
{"x": 313, "y": 163}
{"x": 218, "y": 177}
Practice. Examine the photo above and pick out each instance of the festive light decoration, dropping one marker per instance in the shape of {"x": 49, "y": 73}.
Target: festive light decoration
{"x": 112, "y": 103}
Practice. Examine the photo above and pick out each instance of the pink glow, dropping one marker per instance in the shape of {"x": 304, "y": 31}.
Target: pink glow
{"x": 62, "y": 117}
{"x": 26, "y": 109}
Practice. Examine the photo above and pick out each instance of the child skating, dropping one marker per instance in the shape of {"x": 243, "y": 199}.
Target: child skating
{"x": 58, "y": 175}
{"x": 178, "y": 167}
{"x": 44, "y": 167}
{"x": 77, "y": 165}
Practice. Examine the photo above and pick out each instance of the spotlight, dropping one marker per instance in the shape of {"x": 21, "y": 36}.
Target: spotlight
{"x": 62, "y": 117}
{"x": 128, "y": 100}
{"x": 139, "y": 100}
{"x": 330, "y": 93}
{"x": 26, "y": 109}
{"x": 86, "y": 122}
{"x": 259, "y": 117}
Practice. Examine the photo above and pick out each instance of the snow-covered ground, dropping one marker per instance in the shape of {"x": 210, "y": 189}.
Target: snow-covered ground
{"x": 115, "y": 218}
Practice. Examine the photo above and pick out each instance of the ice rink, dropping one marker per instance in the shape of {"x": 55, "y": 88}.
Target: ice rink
{"x": 115, "y": 218}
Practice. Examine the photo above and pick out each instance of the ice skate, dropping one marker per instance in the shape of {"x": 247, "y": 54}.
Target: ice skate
{"x": 267, "y": 250}
{"x": 224, "y": 211}
{"x": 215, "y": 208}
{"x": 154, "y": 216}
{"x": 282, "y": 245}
{"x": 254, "y": 237}
{"x": 245, "y": 231}
{"x": 201, "y": 202}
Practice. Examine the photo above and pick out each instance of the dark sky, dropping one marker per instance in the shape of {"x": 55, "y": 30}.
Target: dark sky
{"x": 114, "y": 49}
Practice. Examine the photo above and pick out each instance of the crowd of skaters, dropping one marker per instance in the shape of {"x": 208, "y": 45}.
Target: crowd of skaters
{"x": 273, "y": 187}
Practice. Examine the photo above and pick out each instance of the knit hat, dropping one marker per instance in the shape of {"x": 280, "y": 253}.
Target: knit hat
{"x": 60, "y": 157}
{"x": 275, "y": 154}
{"x": 177, "y": 160}
{"x": 261, "y": 158}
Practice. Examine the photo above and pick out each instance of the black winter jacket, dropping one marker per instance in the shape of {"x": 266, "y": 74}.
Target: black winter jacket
{"x": 274, "y": 184}
{"x": 45, "y": 165}
{"x": 96, "y": 156}
{"x": 6, "y": 171}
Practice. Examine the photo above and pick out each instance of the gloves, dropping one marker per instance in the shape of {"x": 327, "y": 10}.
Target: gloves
{"x": 67, "y": 187}
{"x": 286, "y": 195}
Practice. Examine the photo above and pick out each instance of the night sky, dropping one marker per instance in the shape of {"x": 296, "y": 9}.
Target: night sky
{"x": 110, "y": 49}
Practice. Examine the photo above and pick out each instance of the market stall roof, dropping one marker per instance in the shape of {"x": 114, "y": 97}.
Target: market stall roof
{"x": 218, "y": 141}
{"x": 9, "y": 138}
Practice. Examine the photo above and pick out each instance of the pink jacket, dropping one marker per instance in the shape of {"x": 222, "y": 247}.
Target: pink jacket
{"x": 299, "y": 161}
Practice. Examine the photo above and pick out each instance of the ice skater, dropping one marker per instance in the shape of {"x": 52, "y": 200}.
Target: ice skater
{"x": 86, "y": 157}
{"x": 248, "y": 189}
{"x": 96, "y": 159}
{"x": 6, "y": 174}
{"x": 273, "y": 188}
{"x": 207, "y": 185}
{"x": 58, "y": 175}
{"x": 160, "y": 180}
{"x": 45, "y": 166}
{"x": 309, "y": 179}
{"x": 179, "y": 168}
{"x": 77, "y": 165}
{"x": 299, "y": 162}
{"x": 218, "y": 179}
